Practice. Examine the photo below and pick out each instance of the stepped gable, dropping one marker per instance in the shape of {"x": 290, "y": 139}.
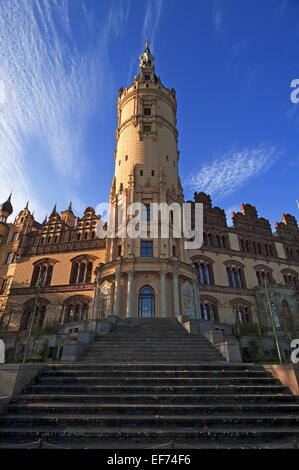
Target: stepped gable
{"x": 211, "y": 215}
{"x": 288, "y": 228}
{"x": 248, "y": 221}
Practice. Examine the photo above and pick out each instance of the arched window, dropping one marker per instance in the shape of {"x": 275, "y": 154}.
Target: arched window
{"x": 42, "y": 272}
{"x": 146, "y": 302}
{"x": 290, "y": 277}
{"x": 235, "y": 274}
{"x": 28, "y": 310}
{"x": 263, "y": 272}
{"x": 208, "y": 310}
{"x": 81, "y": 270}
{"x": 241, "y": 312}
{"x": 204, "y": 267}
{"x": 76, "y": 308}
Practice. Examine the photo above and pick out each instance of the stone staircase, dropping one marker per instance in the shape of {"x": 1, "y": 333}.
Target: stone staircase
{"x": 150, "y": 340}
{"x": 147, "y": 384}
{"x": 147, "y": 405}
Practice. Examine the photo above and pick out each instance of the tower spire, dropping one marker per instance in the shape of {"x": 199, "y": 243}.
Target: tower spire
{"x": 54, "y": 210}
{"x": 147, "y": 59}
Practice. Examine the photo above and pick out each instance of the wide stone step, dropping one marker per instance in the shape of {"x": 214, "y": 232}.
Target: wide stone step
{"x": 147, "y": 434}
{"x": 148, "y": 420}
{"x": 151, "y": 381}
{"x": 145, "y": 373}
{"x": 192, "y": 389}
{"x": 165, "y": 398}
{"x": 112, "y": 366}
{"x": 153, "y": 409}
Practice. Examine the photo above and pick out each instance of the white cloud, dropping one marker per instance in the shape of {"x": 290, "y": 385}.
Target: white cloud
{"x": 217, "y": 15}
{"x": 232, "y": 170}
{"x": 52, "y": 85}
{"x": 151, "y": 21}
{"x": 150, "y": 26}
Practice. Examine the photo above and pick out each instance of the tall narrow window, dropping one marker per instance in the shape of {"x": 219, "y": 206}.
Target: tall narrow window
{"x": 228, "y": 275}
{"x": 9, "y": 258}
{"x": 201, "y": 274}
{"x": 3, "y": 287}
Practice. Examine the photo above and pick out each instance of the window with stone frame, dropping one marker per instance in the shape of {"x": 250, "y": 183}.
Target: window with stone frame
{"x": 3, "y": 286}
{"x": 81, "y": 270}
{"x": 235, "y": 274}
{"x": 146, "y": 248}
{"x": 290, "y": 277}
{"x": 27, "y": 312}
{"x": 76, "y": 308}
{"x": 263, "y": 272}
{"x": 42, "y": 272}
{"x": 204, "y": 266}
{"x": 220, "y": 240}
{"x": 241, "y": 311}
{"x": 209, "y": 308}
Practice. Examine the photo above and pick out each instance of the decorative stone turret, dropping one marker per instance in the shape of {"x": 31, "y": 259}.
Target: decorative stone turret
{"x": 6, "y": 209}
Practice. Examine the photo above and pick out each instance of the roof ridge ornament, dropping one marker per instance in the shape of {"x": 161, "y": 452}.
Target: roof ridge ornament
{"x": 146, "y": 59}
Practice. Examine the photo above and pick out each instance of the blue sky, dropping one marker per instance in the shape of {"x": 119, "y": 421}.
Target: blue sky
{"x": 230, "y": 61}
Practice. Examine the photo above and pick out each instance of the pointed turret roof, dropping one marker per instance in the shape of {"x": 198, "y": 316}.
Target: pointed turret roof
{"x": 7, "y": 206}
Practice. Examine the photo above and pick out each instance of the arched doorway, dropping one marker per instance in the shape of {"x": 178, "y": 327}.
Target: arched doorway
{"x": 146, "y": 302}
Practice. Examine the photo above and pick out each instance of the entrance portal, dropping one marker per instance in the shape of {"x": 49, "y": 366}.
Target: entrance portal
{"x": 146, "y": 302}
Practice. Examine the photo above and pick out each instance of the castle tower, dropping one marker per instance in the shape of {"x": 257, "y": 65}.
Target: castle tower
{"x": 146, "y": 276}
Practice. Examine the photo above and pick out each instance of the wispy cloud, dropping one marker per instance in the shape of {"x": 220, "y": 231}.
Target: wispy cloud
{"x": 50, "y": 86}
{"x": 217, "y": 15}
{"x": 232, "y": 170}
{"x": 151, "y": 20}
{"x": 150, "y": 26}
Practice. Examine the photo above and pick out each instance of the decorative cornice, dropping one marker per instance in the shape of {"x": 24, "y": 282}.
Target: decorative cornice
{"x": 52, "y": 289}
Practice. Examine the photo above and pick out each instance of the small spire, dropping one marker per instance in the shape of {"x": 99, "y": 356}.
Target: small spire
{"x": 9, "y": 197}
{"x": 46, "y": 218}
{"x": 70, "y": 206}
{"x": 147, "y": 59}
{"x": 54, "y": 210}
{"x": 27, "y": 205}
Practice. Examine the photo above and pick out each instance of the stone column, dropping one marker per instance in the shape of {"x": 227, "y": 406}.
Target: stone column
{"x": 163, "y": 294}
{"x": 130, "y": 294}
{"x": 117, "y": 293}
{"x": 196, "y": 299}
{"x": 95, "y": 304}
{"x": 176, "y": 295}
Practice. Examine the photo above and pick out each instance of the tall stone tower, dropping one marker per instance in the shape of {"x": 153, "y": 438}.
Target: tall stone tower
{"x": 146, "y": 277}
